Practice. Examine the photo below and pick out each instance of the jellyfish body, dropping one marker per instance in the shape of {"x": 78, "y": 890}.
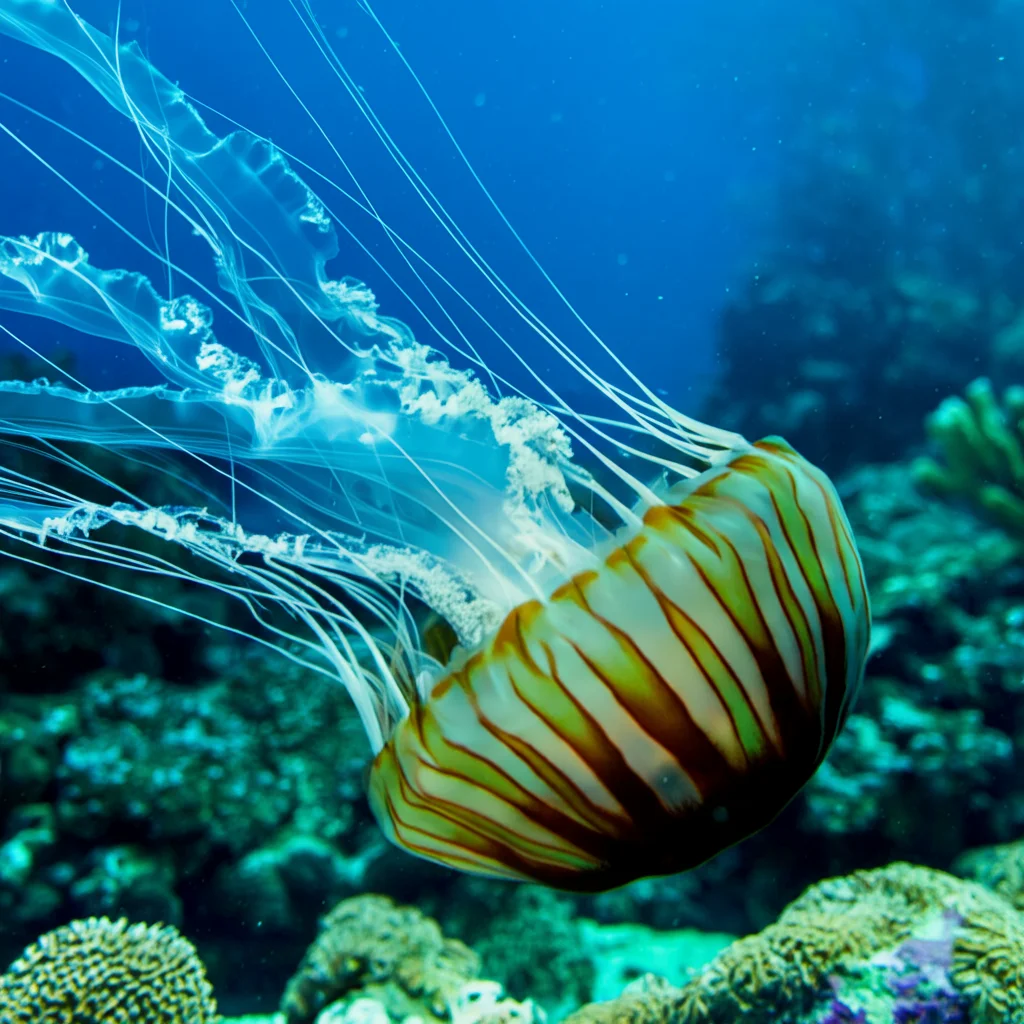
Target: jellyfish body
{"x": 643, "y": 669}
{"x": 651, "y": 712}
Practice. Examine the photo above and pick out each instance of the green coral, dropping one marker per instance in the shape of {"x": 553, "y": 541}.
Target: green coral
{"x": 982, "y": 443}
{"x": 999, "y": 868}
{"x": 534, "y": 946}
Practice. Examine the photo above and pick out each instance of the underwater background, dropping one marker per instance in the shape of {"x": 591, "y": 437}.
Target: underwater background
{"x": 797, "y": 218}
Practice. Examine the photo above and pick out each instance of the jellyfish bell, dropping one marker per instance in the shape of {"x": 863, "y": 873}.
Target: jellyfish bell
{"x": 585, "y": 648}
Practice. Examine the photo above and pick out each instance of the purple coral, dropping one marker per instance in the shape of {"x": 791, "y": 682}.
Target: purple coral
{"x": 918, "y": 978}
{"x": 922, "y": 989}
{"x": 939, "y": 1008}
{"x": 840, "y": 1013}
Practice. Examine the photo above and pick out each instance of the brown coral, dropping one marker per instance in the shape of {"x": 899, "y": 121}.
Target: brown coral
{"x": 108, "y": 972}
{"x": 784, "y": 965}
{"x": 368, "y": 940}
{"x": 648, "y": 1000}
{"x": 988, "y": 964}
{"x": 835, "y": 926}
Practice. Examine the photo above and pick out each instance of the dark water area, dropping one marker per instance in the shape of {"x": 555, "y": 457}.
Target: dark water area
{"x": 237, "y": 614}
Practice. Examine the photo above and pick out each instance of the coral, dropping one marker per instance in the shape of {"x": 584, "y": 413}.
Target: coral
{"x": 648, "y": 1000}
{"x": 982, "y": 444}
{"x": 128, "y": 879}
{"x": 533, "y": 944}
{"x": 999, "y": 868}
{"x": 178, "y": 762}
{"x": 988, "y": 963}
{"x": 368, "y": 941}
{"x": 901, "y": 944}
{"x": 144, "y": 784}
{"x": 946, "y": 680}
{"x": 99, "y": 971}
{"x": 910, "y": 921}
{"x": 899, "y": 746}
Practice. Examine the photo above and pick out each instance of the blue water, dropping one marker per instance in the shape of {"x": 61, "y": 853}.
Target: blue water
{"x": 656, "y": 160}
{"x": 635, "y": 151}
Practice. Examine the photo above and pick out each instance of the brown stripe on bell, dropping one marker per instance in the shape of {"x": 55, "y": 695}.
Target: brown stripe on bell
{"x": 653, "y": 712}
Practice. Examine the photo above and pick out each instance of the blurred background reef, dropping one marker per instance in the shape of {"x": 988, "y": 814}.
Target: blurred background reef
{"x": 169, "y": 774}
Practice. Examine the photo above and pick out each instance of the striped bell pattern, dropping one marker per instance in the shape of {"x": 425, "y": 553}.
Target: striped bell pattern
{"x": 654, "y": 711}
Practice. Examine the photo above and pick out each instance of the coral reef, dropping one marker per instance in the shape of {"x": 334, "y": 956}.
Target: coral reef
{"x": 901, "y": 943}
{"x": 876, "y": 945}
{"x": 999, "y": 868}
{"x": 234, "y": 804}
{"x": 648, "y": 1000}
{"x": 528, "y": 938}
{"x": 100, "y": 971}
{"x": 928, "y": 762}
{"x": 176, "y": 770}
{"x": 391, "y": 953}
{"x": 982, "y": 443}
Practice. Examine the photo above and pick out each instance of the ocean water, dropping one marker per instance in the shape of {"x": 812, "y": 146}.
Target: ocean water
{"x": 385, "y": 568}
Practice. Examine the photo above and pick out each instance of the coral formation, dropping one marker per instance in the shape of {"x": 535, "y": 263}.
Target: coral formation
{"x": 988, "y": 963}
{"x": 999, "y": 868}
{"x": 928, "y": 761}
{"x": 982, "y": 443}
{"x": 648, "y": 1000}
{"x": 127, "y": 787}
{"x": 529, "y": 939}
{"x": 891, "y": 937}
{"x": 99, "y": 971}
{"x": 387, "y": 951}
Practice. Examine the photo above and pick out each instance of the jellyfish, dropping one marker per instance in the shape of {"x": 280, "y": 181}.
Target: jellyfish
{"x": 586, "y": 647}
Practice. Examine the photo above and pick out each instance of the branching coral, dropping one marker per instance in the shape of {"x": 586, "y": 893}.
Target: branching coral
{"x": 369, "y": 941}
{"x": 99, "y": 971}
{"x": 982, "y": 444}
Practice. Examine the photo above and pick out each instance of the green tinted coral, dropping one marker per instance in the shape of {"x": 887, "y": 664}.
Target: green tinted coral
{"x": 827, "y": 940}
{"x": 397, "y": 954}
{"x": 982, "y": 443}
